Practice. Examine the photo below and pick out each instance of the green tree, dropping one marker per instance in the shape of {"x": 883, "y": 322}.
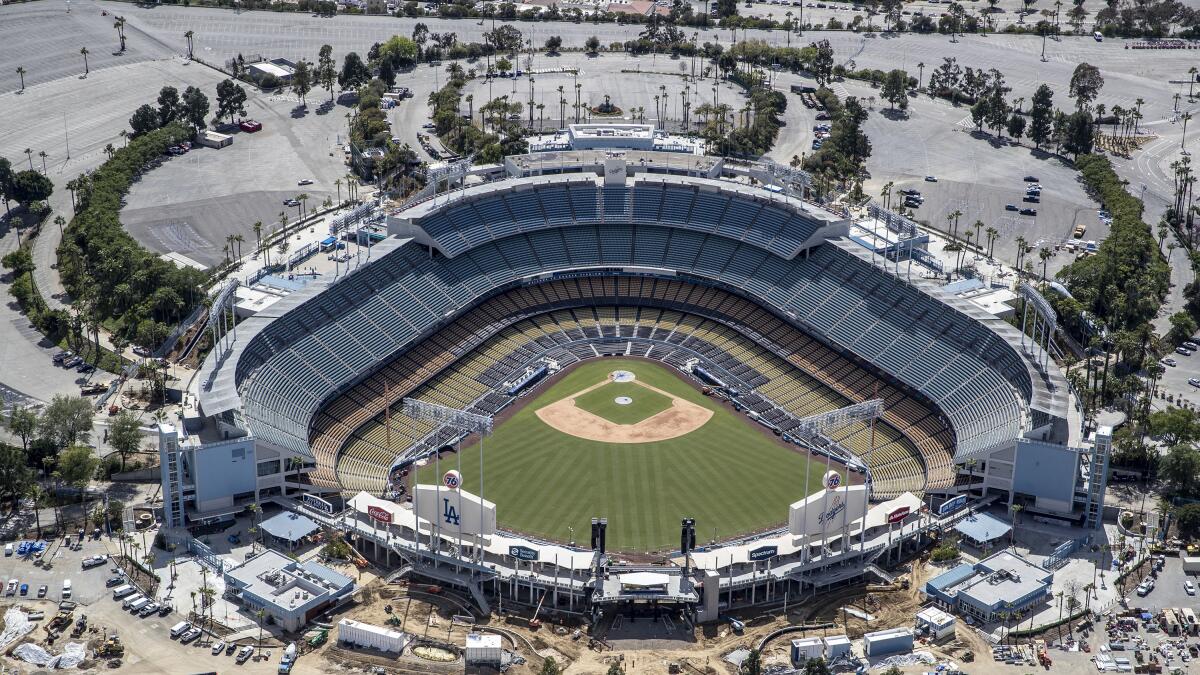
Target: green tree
{"x": 169, "y": 106}
{"x": 1041, "y": 116}
{"x": 1079, "y": 133}
{"x": 23, "y": 423}
{"x": 145, "y": 119}
{"x": 1187, "y": 518}
{"x": 1180, "y": 468}
{"x": 77, "y": 466}
{"x": 553, "y": 44}
{"x": 29, "y": 187}
{"x": 1182, "y": 327}
{"x": 895, "y": 89}
{"x": 816, "y": 666}
{"x": 6, "y": 181}
{"x": 753, "y": 663}
{"x": 231, "y": 99}
{"x": 354, "y": 72}
{"x": 302, "y": 81}
{"x": 67, "y": 420}
{"x": 125, "y": 435}
{"x": 195, "y": 108}
{"x": 1086, "y": 83}
{"x": 550, "y": 667}
{"x": 327, "y": 73}
{"x": 592, "y": 44}
{"x": 822, "y": 61}
{"x": 615, "y": 668}
{"x": 1016, "y": 126}
{"x": 14, "y": 474}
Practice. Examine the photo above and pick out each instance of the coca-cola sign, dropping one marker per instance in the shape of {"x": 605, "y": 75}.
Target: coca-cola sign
{"x": 382, "y": 515}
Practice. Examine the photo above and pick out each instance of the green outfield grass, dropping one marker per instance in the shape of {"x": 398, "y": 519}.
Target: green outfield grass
{"x": 602, "y": 402}
{"x": 727, "y": 475}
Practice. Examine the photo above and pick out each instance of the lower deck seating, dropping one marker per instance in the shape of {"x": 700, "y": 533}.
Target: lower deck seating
{"x": 465, "y": 363}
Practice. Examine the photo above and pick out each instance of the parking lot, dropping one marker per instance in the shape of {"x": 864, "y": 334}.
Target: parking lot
{"x": 192, "y": 202}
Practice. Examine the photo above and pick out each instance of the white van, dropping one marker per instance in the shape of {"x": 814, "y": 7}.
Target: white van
{"x": 122, "y": 591}
{"x": 180, "y": 628}
{"x": 66, "y": 592}
{"x": 137, "y": 605}
{"x": 1098, "y": 36}
{"x": 132, "y": 599}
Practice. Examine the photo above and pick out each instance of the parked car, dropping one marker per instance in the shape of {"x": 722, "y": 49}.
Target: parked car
{"x": 1169, "y": 362}
{"x": 94, "y": 561}
{"x": 250, "y": 126}
{"x": 190, "y": 635}
{"x": 245, "y": 654}
{"x": 1028, "y": 212}
{"x": 24, "y": 589}
{"x": 8, "y": 550}
{"x": 72, "y": 362}
{"x": 148, "y": 610}
{"x": 86, "y": 368}
{"x": 1031, "y": 179}
{"x": 1194, "y": 382}
{"x": 164, "y": 609}
{"x": 1189, "y": 587}
{"x": 63, "y": 356}
{"x": 1010, "y": 207}
{"x": 114, "y": 581}
{"x": 11, "y": 589}
{"x": 1181, "y": 350}
{"x": 43, "y": 590}
{"x": 304, "y": 181}
{"x": 930, "y": 179}
{"x": 218, "y": 647}
{"x": 1191, "y": 345}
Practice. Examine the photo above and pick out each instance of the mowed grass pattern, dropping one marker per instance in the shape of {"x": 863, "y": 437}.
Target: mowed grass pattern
{"x": 730, "y": 477}
{"x": 602, "y": 402}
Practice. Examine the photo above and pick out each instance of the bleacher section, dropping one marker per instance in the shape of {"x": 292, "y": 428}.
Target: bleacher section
{"x": 495, "y": 211}
{"x": 784, "y": 374}
{"x": 395, "y": 323}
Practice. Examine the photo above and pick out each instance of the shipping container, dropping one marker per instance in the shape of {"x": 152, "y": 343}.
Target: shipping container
{"x": 357, "y": 634}
{"x": 805, "y": 649}
{"x": 483, "y": 649}
{"x": 885, "y": 642}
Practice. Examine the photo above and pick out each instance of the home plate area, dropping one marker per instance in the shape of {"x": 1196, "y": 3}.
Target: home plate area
{"x": 621, "y": 409}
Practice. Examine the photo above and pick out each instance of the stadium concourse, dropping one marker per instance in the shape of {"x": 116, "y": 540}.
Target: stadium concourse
{"x": 720, "y": 271}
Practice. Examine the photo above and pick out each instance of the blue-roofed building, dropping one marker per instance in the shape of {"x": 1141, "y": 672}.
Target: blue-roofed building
{"x": 288, "y": 528}
{"x": 982, "y": 530}
{"x": 290, "y": 593}
{"x": 1004, "y": 582}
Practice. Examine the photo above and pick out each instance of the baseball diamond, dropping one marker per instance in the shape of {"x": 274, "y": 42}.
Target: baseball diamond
{"x": 718, "y": 467}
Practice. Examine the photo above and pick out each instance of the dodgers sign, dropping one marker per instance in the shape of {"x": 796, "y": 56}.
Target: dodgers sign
{"x": 454, "y": 511}
{"x": 951, "y": 505}
{"x": 827, "y": 510}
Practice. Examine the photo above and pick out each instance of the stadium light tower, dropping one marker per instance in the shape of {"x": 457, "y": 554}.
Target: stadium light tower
{"x": 459, "y": 419}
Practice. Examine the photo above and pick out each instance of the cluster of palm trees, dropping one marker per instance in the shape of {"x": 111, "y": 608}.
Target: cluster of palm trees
{"x": 1184, "y": 208}
{"x": 1125, "y": 127}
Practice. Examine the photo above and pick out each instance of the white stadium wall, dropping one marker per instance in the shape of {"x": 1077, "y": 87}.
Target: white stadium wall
{"x": 826, "y": 510}
{"x": 455, "y": 511}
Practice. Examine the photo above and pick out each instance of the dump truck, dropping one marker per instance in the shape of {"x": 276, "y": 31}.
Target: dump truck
{"x": 61, "y": 621}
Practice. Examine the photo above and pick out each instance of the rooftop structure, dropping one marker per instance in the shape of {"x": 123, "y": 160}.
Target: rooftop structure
{"x": 289, "y": 528}
{"x": 288, "y": 591}
{"x": 1003, "y": 582}
{"x": 615, "y": 136}
{"x": 981, "y": 529}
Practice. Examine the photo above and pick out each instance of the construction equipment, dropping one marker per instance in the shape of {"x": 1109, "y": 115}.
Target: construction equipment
{"x": 61, "y": 621}
{"x": 112, "y": 648}
{"x": 319, "y": 638}
{"x": 535, "y": 623}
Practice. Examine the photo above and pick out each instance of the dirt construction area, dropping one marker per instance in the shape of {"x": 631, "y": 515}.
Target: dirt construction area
{"x": 683, "y": 417}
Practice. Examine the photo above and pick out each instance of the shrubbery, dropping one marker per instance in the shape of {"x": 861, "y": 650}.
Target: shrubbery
{"x": 126, "y": 286}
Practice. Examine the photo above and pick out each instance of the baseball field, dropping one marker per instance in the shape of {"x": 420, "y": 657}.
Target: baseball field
{"x": 643, "y": 452}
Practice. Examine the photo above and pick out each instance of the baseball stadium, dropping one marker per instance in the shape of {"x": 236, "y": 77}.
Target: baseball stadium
{"x": 651, "y": 340}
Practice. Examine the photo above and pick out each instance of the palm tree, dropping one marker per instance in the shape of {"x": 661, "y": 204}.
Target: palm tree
{"x": 920, "y": 73}
{"x": 21, "y": 74}
{"x": 1191, "y": 81}
{"x": 119, "y": 24}
{"x": 338, "y": 183}
{"x": 258, "y": 616}
{"x": 84, "y": 51}
{"x": 43, "y": 155}
{"x": 257, "y": 236}
{"x": 188, "y": 36}
{"x": 29, "y": 156}
{"x": 303, "y": 199}
{"x": 992, "y": 233}
{"x": 239, "y": 239}
{"x": 1020, "y": 252}
{"x": 1044, "y": 254}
